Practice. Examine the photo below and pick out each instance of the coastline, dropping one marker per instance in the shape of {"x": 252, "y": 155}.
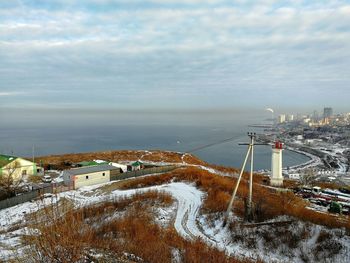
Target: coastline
{"x": 314, "y": 160}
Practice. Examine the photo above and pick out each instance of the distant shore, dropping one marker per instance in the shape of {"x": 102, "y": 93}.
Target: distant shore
{"x": 314, "y": 160}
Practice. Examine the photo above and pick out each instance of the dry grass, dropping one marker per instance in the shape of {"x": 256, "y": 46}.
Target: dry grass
{"x": 65, "y": 160}
{"x": 269, "y": 203}
{"x": 328, "y": 185}
{"x": 35, "y": 179}
{"x": 72, "y": 237}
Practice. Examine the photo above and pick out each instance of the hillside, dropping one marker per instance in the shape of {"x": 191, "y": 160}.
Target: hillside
{"x": 123, "y": 155}
{"x": 171, "y": 217}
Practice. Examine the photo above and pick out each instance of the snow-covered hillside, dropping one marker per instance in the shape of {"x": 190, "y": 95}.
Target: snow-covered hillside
{"x": 249, "y": 242}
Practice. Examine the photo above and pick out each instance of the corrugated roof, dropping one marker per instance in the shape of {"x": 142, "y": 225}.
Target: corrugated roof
{"x": 6, "y": 159}
{"x": 87, "y": 163}
{"x": 90, "y": 163}
{"x": 90, "y": 169}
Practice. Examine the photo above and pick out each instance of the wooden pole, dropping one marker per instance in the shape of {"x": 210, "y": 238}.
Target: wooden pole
{"x": 229, "y": 208}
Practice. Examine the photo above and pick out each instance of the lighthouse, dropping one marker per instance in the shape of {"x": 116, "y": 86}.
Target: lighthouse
{"x": 276, "y": 178}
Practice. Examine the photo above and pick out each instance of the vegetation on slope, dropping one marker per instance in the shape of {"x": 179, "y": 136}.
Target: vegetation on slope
{"x": 81, "y": 234}
{"x": 269, "y": 203}
{"x": 63, "y": 161}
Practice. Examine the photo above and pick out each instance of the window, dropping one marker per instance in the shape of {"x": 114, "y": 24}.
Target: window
{"x": 86, "y": 177}
{"x": 24, "y": 172}
{"x": 103, "y": 174}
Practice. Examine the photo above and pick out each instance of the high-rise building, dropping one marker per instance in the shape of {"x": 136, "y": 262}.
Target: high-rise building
{"x": 290, "y": 117}
{"x": 327, "y": 112}
{"x": 281, "y": 118}
{"x": 276, "y": 178}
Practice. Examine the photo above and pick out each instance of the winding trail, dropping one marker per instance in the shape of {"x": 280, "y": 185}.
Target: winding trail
{"x": 188, "y": 199}
{"x": 187, "y": 196}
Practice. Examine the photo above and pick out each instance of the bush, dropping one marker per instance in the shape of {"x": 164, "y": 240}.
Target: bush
{"x": 73, "y": 237}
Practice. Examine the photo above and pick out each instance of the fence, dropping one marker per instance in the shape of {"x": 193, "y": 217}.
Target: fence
{"x": 154, "y": 170}
{"x": 25, "y": 197}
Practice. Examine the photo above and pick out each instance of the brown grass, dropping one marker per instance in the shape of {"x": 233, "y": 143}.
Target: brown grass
{"x": 72, "y": 237}
{"x": 65, "y": 160}
{"x": 219, "y": 189}
{"x": 328, "y": 185}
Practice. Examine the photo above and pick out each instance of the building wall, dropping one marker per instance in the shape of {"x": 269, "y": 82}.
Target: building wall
{"x": 124, "y": 167}
{"x": 19, "y": 169}
{"x": 67, "y": 179}
{"x": 281, "y": 118}
{"x": 91, "y": 179}
{"x": 276, "y": 167}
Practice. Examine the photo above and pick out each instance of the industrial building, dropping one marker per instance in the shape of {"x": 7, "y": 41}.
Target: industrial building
{"x": 89, "y": 175}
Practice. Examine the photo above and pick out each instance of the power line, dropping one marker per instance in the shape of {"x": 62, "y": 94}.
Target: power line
{"x": 212, "y": 144}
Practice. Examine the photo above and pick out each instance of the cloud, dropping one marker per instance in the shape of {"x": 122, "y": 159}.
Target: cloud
{"x": 4, "y": 94}
{"x": 201, "y": 52}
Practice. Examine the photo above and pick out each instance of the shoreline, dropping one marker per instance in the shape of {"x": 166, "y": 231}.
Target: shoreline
{"x": 314, "y": 160}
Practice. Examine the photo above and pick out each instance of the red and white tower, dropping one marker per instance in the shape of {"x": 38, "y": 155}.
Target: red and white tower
{"x": 276, "y": 178}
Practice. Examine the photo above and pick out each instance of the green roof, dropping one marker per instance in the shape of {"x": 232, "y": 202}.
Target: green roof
{"x": 137, "y": 163}
{"x": 6, "y": 159}
{"x": 90, "y": 163}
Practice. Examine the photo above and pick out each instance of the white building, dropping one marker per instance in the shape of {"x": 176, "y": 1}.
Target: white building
{"x": 281, "y": 118}
{"x": 294, "y": 176}
{"x": 290, "y": 117}
{"x": 124, "y": 167}
{"x": 89, "y": 175}
{"x": 18, "y": 168}
{"x": 276, "y": 178}
{"x": 300, "y": 137}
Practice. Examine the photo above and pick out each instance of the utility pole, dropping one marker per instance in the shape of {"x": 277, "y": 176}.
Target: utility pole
{"x": 250, "y": 205}
{"x": 33, "y": 153}
{"x": 229, "y": 208}
{"x": 250, "y": 152}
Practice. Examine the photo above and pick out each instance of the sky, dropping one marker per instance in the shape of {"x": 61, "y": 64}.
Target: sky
{"x": 174, "y": 54}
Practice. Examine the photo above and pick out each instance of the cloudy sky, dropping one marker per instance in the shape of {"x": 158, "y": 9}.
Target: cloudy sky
{"x": 174, "y": 54}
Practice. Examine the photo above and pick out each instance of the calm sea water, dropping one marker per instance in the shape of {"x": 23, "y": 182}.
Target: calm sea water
{"x": 69, "y": 131}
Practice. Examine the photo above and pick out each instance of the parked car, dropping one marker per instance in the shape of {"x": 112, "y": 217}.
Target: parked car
{"x": 47, "y": 179}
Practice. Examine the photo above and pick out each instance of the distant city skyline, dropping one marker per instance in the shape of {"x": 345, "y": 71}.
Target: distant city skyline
{"x": 167, "y": 54}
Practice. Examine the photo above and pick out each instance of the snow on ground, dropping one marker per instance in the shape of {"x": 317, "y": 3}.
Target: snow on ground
{"x": 16, "y": 214}
{"x": 9, "y": 242}
{"x": 188, "y": 223}
{"x": 250, "y": 242}
{"x": 314, "y": 160}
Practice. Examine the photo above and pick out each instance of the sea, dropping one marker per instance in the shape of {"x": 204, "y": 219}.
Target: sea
{"x": 59, "y": 131}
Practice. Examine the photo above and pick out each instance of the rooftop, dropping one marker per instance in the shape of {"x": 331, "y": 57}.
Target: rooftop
{"x": 137, "y": 163}
{"x": 90, "y": 169}
{"x": 6, "y": 159}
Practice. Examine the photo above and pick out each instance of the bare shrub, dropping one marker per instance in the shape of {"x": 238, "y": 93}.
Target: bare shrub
{"x": 269, "y": 203}
{"x": 72, "y": 237}
{"x": 327, "y": 249}
{"x": 323, "y": 236}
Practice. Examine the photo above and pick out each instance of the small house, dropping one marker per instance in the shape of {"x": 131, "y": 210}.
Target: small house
{"x": 18, "y": 168}
{"x": 294, "y": 176}
{"x": 86, "y": 163}
{"x": 89, "y": 175}
{"x": 123, "y": 167}
{"x": 136, "y": 166}
{"x": 91, "y": 163}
